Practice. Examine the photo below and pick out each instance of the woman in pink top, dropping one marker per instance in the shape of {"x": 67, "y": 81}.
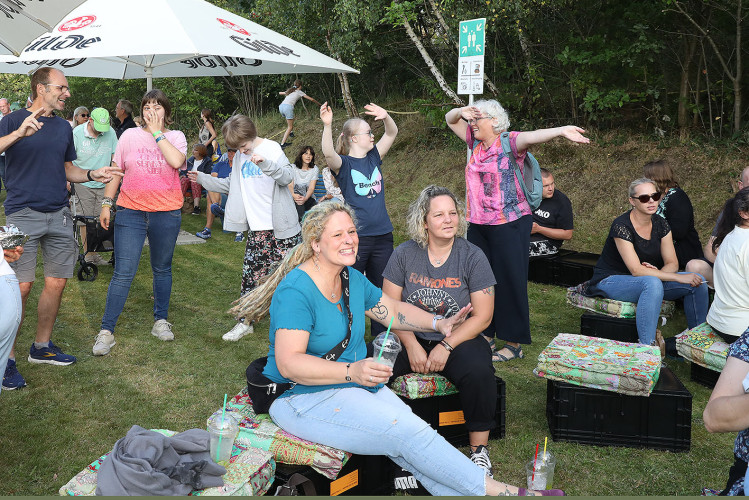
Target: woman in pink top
{"x": 499, "y": 214}
{"x": 149, "y": 204}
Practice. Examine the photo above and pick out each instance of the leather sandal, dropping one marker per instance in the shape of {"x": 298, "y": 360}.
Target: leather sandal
{"x": 517, "y": 352}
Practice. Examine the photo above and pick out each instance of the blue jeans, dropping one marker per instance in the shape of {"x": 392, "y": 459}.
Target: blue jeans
{"x": 648, "y": 292}
{"x": 10, "y": 318}
{"x": 130, "y": 230}
{"x": 358, "y": 421}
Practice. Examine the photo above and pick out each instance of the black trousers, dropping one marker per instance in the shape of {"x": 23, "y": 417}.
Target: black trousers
{"x": 506, "y": 247}
{"x": 470, "y": 368}
{"x": 374, "y": 254}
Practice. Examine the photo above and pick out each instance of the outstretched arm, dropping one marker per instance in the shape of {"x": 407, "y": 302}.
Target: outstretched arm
{"x": 570, "y": 132}
{"x": 328, "y": 149}
{"x": 312, "y": 99}
{"x": 457, "y": 119}
{"x": 391, "y": 129}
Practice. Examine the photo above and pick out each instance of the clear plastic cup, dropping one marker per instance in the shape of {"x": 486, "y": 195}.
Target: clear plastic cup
{"x": 390, "y": 348}
{"x": 537, "y": 479}
{"x": 550, "y": 461}
{"x": 226, "y": 429}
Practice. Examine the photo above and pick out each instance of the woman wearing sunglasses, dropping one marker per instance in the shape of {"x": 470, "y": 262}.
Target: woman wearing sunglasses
{"x": 638, "y": 264}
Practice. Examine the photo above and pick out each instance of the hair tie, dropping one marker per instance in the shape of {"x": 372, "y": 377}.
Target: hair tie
{"x": 341, "y": 135}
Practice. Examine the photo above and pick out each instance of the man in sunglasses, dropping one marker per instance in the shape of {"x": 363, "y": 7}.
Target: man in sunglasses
{"x": 552, "y": 220}
{"x": 39, "y": 162}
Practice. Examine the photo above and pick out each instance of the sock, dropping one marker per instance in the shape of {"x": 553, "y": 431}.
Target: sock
{"x": 41, "y": 345}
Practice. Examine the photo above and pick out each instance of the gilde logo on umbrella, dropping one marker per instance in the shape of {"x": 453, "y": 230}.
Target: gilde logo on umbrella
{"x": 77, "y": 23}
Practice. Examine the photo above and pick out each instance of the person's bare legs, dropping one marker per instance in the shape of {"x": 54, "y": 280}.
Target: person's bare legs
{"x": 478, "y": 438}
{"x": 289, "y": 129}
{"x": 701, "y": 267}
{"x": 506, "y": 352}
{"x": 49, "y": 305}
{"x": 495, "y": 488}
{"x": 25, "y": 290}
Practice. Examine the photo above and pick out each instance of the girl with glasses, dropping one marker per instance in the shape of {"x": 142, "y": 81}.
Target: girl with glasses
{"x": 500, "y": 217}
{"x": 355, "y": 163}
{"x": 639, "y": 264}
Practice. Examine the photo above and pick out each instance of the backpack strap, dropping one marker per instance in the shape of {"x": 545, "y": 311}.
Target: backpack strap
{"x": 507, "y": 149}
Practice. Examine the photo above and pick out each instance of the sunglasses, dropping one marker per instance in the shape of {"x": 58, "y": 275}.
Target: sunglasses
{"x": 644, "y": 198}
{"x": 83, "y": 115}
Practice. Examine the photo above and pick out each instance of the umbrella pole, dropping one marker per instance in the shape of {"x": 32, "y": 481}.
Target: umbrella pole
{"x": 149, "y": 78}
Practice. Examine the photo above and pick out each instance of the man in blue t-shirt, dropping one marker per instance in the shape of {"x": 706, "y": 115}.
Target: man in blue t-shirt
{"x": 39, "y": 154}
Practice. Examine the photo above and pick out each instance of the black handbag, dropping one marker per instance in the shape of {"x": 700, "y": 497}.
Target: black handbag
{"x": 263, "y": 391}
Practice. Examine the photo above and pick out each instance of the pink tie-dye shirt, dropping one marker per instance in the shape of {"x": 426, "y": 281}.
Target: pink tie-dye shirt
{"x": 150, "y": 184}
{"x": 493, "y": 193}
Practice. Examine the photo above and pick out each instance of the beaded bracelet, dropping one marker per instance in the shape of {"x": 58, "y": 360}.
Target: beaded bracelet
{"x": 107, "y": 202}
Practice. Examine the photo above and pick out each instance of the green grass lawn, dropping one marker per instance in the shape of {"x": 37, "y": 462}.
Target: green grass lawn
{"x": 68, "y": 416}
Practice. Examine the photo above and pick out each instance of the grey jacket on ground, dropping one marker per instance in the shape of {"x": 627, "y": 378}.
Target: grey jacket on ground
{"x": 283, "y": 211}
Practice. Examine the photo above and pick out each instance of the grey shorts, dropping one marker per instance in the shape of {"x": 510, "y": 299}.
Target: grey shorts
{"x": 287, "y": 110}
{"x": 54, "y": 231}
{"x": 88, "y": 201}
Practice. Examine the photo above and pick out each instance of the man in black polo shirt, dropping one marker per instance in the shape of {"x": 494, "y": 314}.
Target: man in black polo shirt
{"x": 552, "y": 220}
{"x": 123, "y": 113}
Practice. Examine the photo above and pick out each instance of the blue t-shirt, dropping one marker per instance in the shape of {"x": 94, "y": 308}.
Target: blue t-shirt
{"x": 35, "y": 165}
{"x": 222, "y": 168}
{"x": 360, "y": 180}
{"x": 297, "y": 304}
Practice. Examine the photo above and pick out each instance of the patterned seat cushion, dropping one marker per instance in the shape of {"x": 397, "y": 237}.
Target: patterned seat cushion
{"x": 599, "y": 363}
{"x": 250, "y": 472}
{"x": 610, "y": 307}
{"x": 702, "y": 346}
{"x": 419, "y": 385}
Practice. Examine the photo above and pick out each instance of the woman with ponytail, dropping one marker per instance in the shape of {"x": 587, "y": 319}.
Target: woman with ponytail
{"x": 286, "y": 108}
{"x": 344, "y": 402}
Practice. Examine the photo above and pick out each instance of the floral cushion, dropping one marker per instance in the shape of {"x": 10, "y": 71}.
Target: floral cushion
{"x": 250, "y": 472}
{"x": 610, "y": 307}
{"x": 419, "y": 385}
{"x": 601, "y": 364}
{"x": 702, "y": 346}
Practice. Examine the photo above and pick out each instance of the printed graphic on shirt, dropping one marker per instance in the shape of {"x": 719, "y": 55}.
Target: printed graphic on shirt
{"x": 151, "y": 160}
{"x": 249, "y": 169}
{"x": 369, "y": 187}
{"x": 433, "y": 298}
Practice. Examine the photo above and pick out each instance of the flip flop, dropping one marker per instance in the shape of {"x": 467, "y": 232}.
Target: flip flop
{"x": 517, "y": 352}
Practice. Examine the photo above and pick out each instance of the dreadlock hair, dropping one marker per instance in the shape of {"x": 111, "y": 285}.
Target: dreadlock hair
{"x": 254, "y": 305}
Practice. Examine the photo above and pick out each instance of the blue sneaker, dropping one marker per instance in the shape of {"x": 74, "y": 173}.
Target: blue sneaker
{"x": 51, "y": 355}
{"x": 217, "y": 211}
{"x": 12, "y": 379}
{"x": 204, "y": 234}
{"x": 239, "y": 237}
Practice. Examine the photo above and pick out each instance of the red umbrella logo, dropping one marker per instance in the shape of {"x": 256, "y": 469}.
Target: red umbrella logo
{"x": 232, "y": 26}
{"x": 77, "y": 23}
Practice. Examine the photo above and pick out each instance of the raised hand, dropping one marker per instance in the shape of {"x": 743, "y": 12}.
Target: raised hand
{"x": 373, "y": 109}
{"x": 470, "y": 112}
{"x": 445, "y": 326}
{"x": 106, "y": 174}
{"x": 574, "y": 134}
{"x": 326, "y": 114}
{"x": 31, "y": 125}
{"x": 154, "y": 120}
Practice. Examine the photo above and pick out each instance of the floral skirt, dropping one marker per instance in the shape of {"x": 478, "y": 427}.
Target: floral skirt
{"x": 262, "y": 251}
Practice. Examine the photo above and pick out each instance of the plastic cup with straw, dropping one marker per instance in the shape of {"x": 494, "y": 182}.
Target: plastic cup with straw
{"x": 535, "y": 458}
{"x": 387, "y": 333}
{"x": 543, "y": 457}
{"x": 223, "y": 416}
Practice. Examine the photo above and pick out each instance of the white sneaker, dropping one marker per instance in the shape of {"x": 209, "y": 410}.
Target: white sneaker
{"x": 104, "y": 343}
{"x": 163, "y": 330}
{"x": 481, "y": 458}
{"x": 239, "y": 331}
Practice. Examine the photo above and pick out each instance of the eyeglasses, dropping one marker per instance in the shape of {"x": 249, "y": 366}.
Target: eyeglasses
{"x": 476, "y": 120}
{"x": 370, "y": 133}
{"x": 63, "y": 88}
{"x": 644, "y": 198}
{"x": 84, "y": 115}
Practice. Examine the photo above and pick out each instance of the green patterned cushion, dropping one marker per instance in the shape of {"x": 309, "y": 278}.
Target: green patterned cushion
{"x": 419, "y": 385}
{"x": 610, "y": 307}
{"x": 702, "y": 346}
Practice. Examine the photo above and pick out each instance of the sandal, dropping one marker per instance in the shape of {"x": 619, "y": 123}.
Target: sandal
{"x": 517, "y": 352}
{"x": 490, "y": 341}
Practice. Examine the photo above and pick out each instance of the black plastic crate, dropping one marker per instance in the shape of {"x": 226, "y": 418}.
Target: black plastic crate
{"x": 591, "y": 416}
{"x": 574, "y": 268}
{"x": 362, "y": 475}
{"x": 445, "y": 414}
{"x": 606, "y": 327}
{"x": 542, "y": 270}
{"x": 704, "y": 376}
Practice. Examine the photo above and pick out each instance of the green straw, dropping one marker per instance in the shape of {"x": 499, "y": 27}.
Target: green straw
{"x": 386, "y": 337}
{"x": 223, "y": 415}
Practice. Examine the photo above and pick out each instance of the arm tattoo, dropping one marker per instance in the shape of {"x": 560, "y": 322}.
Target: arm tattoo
{"x": 488, "y": 291}
{"x": 380, "y": 311}
{"x": 404, "y": 322}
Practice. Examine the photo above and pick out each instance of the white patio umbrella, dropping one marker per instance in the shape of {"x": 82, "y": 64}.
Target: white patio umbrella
{"x": 21, "y": 21}
{"x": 165, "y": 38}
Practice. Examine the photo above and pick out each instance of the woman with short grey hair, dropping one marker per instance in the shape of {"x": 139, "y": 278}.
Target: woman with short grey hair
{"x": 501, "y": 218}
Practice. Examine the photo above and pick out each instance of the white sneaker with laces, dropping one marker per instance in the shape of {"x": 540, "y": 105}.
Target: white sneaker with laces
{"x": 104, "y": 343}
{"x": 163, "y": 330}
{"x": 481, "y": 458}
{"x": 239, "y": 331}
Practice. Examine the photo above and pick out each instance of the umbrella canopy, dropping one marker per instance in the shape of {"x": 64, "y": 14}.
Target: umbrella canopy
{"x": 21, "y": 21}
{"x": 165, "y": 38}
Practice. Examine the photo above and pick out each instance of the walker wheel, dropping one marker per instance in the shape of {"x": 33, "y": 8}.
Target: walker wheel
{"x": 88, "y": 272}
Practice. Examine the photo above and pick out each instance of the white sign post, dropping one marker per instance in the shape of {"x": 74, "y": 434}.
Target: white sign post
{"x": 471, "y": 59}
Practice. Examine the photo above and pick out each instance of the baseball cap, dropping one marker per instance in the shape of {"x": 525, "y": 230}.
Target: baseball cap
{"x": 101, "y": 119}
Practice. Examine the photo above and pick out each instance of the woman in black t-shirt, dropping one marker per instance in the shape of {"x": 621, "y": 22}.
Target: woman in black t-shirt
{"x": 638, "y": 264}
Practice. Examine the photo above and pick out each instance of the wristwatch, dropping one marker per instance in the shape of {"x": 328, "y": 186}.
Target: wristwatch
{"x": 435, "y": 319}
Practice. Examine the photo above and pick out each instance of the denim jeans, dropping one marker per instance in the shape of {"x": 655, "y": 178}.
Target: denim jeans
{"x": 648, "y": 292}
{"x": 10, "y": 318}
{"x": 358, "y": 421}
{"x": 130, "y": 230}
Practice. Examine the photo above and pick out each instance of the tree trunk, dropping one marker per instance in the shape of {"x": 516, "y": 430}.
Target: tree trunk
{"x": 430, "y": 63}
{"x": 489, "y": 84}
{"x": 348, "y": 101}
{"x": 686, "y": 70}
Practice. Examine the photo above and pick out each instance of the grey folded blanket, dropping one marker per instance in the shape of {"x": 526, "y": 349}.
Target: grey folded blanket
{"x": 148, "y": 463}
